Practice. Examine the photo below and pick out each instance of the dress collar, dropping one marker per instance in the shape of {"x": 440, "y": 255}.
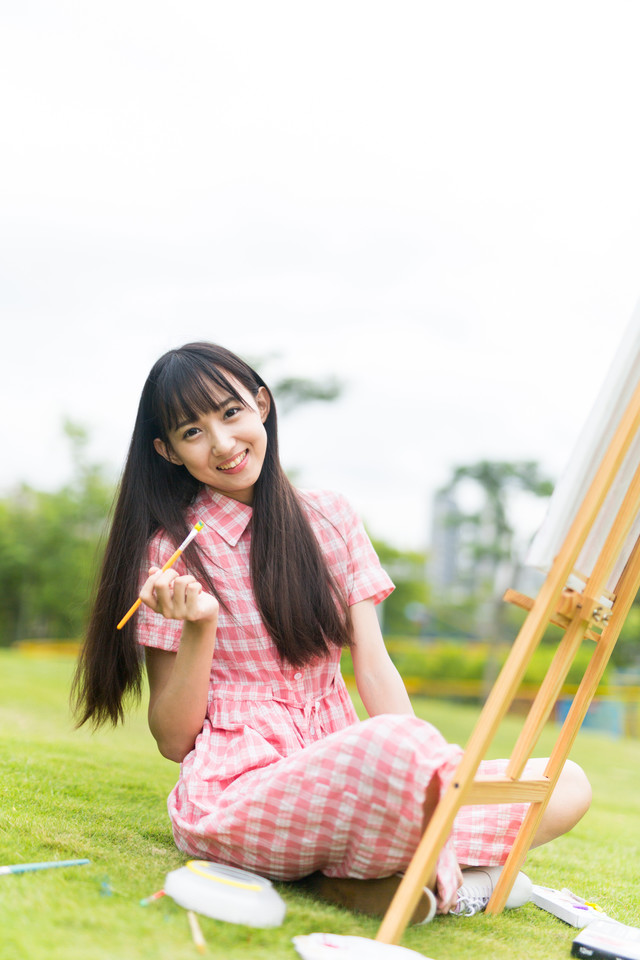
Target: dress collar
{"x": 226, "y": 516}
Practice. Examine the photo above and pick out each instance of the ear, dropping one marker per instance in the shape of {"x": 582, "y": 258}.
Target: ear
{"x": 165, "y": 451}
{"x": 263, "y": 403}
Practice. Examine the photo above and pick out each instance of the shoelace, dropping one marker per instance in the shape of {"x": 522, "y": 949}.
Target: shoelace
{"x": 471, "y": 899}
{"x": 467, "y": 905}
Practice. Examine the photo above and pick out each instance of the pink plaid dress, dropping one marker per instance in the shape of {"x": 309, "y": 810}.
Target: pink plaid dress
{"x": 284, "y": 779}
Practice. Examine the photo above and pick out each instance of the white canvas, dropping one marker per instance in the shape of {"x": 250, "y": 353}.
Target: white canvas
{"x": 594, "y": 439}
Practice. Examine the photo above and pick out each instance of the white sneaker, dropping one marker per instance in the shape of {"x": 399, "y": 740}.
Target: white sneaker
{"x": 477, "y": 886}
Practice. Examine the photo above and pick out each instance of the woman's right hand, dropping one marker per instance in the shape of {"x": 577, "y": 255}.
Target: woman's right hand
{"x": 178, "y": 597}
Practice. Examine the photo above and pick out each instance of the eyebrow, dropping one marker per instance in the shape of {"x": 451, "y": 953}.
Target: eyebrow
{"x": 221, "y": 406}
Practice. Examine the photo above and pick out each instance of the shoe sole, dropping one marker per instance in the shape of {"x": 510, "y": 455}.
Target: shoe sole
{"x": 371, "y": 897}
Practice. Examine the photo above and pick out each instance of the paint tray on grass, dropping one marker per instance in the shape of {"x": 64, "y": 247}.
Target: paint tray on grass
{"x": 567, "y": 906}
{"x": 607, "y": 940}
{"x": 226, "y": 893}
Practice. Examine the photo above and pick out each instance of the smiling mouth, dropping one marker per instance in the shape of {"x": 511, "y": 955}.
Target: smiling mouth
{"x": 230, "y": 464}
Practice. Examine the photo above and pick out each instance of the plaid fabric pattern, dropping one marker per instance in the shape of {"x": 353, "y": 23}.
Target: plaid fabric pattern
{"x": 283, "y": 778}
{"x": 484, "y": 835}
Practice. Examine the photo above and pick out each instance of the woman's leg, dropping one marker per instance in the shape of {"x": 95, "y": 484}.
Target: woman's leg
{"x": 484, "y": 835}
{"x": 569, "y": 801}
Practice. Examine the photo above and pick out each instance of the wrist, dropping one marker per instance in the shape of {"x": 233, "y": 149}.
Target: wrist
{"x": 200, "y": 630}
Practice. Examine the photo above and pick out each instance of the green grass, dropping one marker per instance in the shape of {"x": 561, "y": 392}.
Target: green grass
{"x": 66, "y": 794}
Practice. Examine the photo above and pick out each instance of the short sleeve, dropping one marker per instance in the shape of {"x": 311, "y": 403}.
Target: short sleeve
{"x": 152, "y": 629}
{"x": 367, "y": 579}
{"x": 345, "y": 546}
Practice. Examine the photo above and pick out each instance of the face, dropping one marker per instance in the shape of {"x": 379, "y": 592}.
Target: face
{"x": 224, "y": 448}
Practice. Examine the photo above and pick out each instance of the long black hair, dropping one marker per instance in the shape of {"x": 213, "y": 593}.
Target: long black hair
{"x": 300, "y": 604}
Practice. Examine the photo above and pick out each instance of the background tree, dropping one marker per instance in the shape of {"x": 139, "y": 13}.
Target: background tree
{"x": 405, "y": 611}
{"x": 486, "y": 536}
{"x": 489, "y": 531}
{"x": 48, "y": 546}
{"x": 291, "y": 392}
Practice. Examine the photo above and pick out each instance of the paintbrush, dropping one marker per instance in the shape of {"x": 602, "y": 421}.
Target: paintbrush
{"x": 170, "y": 562}
{"x": 196, "y": 932}
{"x": 27, "y": 867}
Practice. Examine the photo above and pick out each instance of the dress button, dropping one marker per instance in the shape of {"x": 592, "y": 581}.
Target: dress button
{"x": 297, "y": 676}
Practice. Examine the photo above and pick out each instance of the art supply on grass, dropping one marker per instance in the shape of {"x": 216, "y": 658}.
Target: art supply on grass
{"x": 332, "y": 946}
{"x": 106, "y": 890}
{"x": 226, "y": 893}
{"x": 170, "y": 562}
{"x": 28, "y": 867}
{"x": 607, "y": 940}
{"x": 567, "y": 906}
{"x": 196, "y": 932}
{"x": 154, "y": 896}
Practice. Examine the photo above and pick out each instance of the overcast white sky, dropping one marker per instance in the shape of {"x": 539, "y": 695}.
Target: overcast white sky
{"x": 437, "y": 202}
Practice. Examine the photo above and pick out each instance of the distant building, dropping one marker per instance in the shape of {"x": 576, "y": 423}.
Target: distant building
{"x": 455, "y": 570}
{"x": 446, "y": 537}
{"x": 461, "y": 559}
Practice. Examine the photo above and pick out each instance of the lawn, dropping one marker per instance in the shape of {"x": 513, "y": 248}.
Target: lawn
{"x": 67, "y": 794}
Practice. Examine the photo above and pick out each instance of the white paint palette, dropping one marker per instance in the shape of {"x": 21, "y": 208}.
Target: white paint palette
{"x": 226, "y": 893}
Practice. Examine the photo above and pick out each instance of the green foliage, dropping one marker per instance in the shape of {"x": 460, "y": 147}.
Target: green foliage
{"x": 291, "y": 392}
{"x": 49, "y": 546}
{"x": 404, "y": 609}
{"x": 455, "y": 621}
{"x": 626, "y": 652}
{"x": 432, "y": 661}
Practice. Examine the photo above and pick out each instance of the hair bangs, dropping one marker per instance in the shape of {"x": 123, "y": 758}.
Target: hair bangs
{"x": 188, "y": 389}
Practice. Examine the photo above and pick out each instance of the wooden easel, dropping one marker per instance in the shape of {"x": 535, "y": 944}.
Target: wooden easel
{"x": 585, "y": 614}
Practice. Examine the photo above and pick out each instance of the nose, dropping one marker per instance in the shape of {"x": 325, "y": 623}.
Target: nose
{"x": 222, "y": 442}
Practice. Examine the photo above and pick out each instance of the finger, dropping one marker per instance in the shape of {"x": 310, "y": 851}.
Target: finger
{"x": 179, "y": 588}
{"x": 192, "y": 594}
{"x": 183, "y": 590}
{"x": 167, "y": 576}
{"x": 147, "y": 594}
{"x": 185, "y": 579}
{"x": 157, "y": 592}
{"x": 163, "y": 582}
{"x": 157, "y": 577}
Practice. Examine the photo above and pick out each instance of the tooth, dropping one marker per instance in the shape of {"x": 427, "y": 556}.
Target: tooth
{"x": 234, "y": 462}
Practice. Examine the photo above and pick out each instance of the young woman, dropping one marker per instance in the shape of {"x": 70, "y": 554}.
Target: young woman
{"x": 242, "y": 641}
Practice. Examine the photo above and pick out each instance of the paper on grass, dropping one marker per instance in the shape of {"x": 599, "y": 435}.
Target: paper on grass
{"x": 331, "y": 946}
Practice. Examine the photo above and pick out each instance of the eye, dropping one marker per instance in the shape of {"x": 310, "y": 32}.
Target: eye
{"x": 190, "y": 432}
{"x": 231, "y": 412}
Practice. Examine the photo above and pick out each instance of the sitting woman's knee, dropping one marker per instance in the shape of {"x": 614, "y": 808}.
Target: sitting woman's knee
{"x": 576, "y": 787}
{"x": 569, "y": 802}
{"x": 571, "y": 798}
